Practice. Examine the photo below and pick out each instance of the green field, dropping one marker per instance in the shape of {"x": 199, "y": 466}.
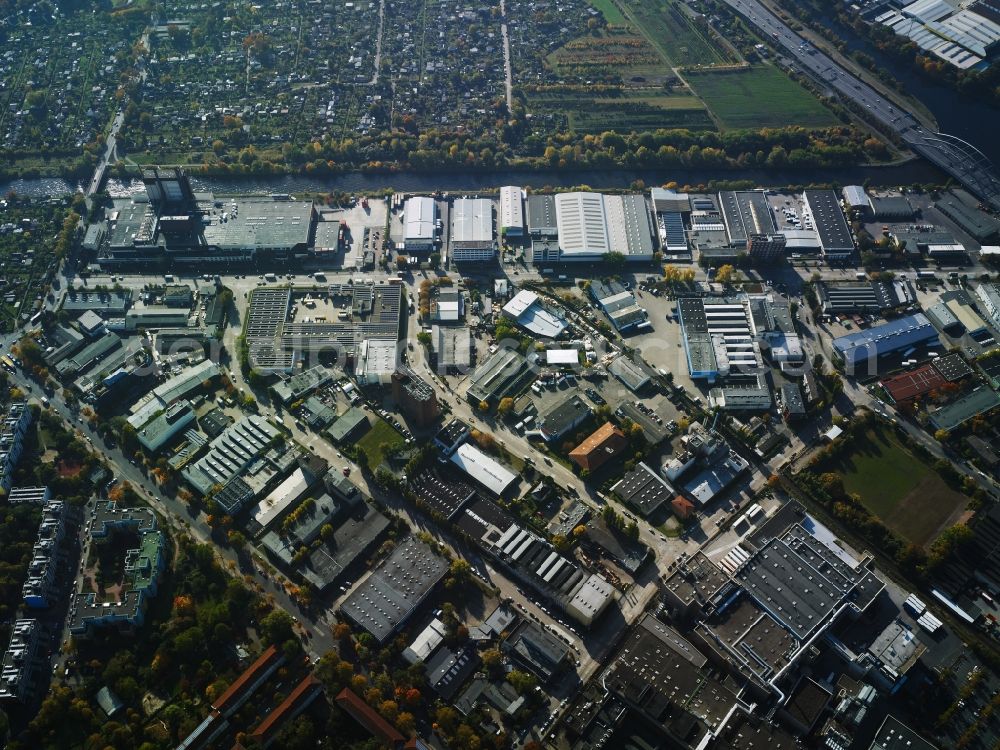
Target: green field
{"x": 638, "y": 112}
{"x": 681, "y": 41}
{"x": 908, "y": 496}
{"x": 610, "y": 12}
{"x": 758, "y": 97}
{"x": 379, "y": 440}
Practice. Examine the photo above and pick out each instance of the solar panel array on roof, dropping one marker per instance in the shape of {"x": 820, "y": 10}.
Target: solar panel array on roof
{"x": 672, "y": 233}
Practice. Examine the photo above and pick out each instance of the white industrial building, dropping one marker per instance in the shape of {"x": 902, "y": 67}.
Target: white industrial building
{"x": 527, "y": 310}
{"x": 472, "y": 230}
{"x": 511, "y": 211}
{"x": 281, "y": 499}
{"x": 489, "y": 472}
{"x": 630, "y": 226}
{"x": 855, "y": 197}
{"x": 377, "y": 361}
{"x": 419, "y": 231}
{"x": 591, "y": 225}
{"x": 959, "y": 36}
{"x": 583, "y": 226}
{"x": 989, "y": 296}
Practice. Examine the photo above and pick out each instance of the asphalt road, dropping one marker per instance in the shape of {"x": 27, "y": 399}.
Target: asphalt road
{"x": 953, "y": 156}
{"x": 110, "y": 146}
{"x": 180, "y": 519}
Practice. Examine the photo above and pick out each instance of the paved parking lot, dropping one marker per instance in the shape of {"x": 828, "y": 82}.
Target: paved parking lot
{"x": 662, "y": 347}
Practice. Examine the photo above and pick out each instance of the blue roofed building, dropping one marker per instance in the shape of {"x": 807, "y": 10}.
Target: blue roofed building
{"x": 857, "y": 349}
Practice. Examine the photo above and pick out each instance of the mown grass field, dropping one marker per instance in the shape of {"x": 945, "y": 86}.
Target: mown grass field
{"x": 380, "y": 437}
{"x": 758, "y": 97}
{"x": 908, "y": 496}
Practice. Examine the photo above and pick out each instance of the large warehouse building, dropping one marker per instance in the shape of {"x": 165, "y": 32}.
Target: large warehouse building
{"x": 472, "y": 230}
{"x": 746, "y": 214}
{"x": 386, "y": 599}
{"x": 171, "y": 224}
{"x": 511, "y": 211}
{"x": 590, "y": 225}
{"x": 959, "y": 35}
{"x": 419, "y": 232}
{"x": 834, "y": 234}
{"x": 719, "y": 336}
{"x": 861, "y": 350}
{"x": 583, "y": 226}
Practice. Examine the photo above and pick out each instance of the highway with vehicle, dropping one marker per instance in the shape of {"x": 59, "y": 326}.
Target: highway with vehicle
{"x": 951, "y": 155}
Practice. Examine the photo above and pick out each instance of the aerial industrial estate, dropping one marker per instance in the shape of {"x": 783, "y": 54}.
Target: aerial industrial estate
{"x": 580, "y": 469}
{"x": 702, "y": 455}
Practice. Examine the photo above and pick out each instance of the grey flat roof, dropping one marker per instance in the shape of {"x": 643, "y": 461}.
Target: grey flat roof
{"x": 156, "y": 433}
{"x": 800, "y": 582}
{"x": 480, "y": 515}
{"x": 472, "y": 222}
{"x": 537, "y": 649}
{"x": 186, "y": 381}
{"x": 261, "y": 222}
{"x": 384, "y": 601}
{"x": 630, "y": 372}
{"x": 113, "y": 304}
{"x": 565, "y": 414}
{"x": 448, "y": 670}
{"x": 541, "y": 214}
{"x": 952, "y": 367}
{"x": 895, "y": 734}
{"x": 893, "y": 206}
{"x": 88, "y": 355}
{"x": 960, "y": 411}
{"x": 746, "y": 213}
{"x": 630, "y": 224}
{"x": 442, "y": 489}
{"x": 499, "y": 375}
{"x": 973, "y": 221}
{"x": 834, "y": 234}
{"x": 353, "y": 534}
{"x": 375, "y": 312}
{"x": 347, "y": 423}
{"x": 644, "y": 489}
{"x": 302, "y": 383}
{"x": 452, "y": 345}
{"x": 791, "y": 398}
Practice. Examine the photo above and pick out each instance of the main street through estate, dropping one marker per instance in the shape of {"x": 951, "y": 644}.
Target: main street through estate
{"x": 952, "y": 155}
{"x": 616, "y": 425}
{"x": 719, "y": 397}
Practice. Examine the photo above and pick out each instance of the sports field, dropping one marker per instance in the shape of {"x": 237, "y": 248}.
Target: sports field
{"x": 909, "y": 497}
{"x": 758, "y": 97}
